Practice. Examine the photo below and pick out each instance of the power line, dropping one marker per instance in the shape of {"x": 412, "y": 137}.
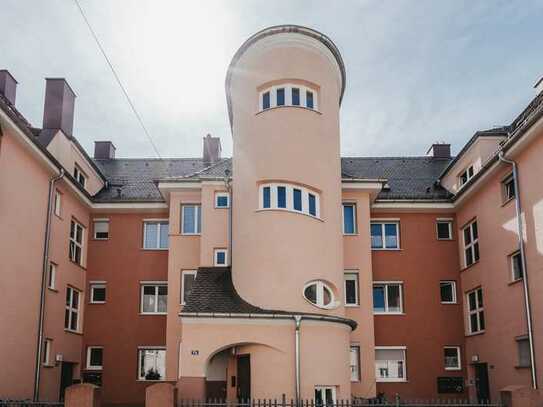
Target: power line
{"x": 140, "y": 120}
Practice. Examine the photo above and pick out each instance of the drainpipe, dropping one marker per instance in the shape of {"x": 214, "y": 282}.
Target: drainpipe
{"x": 298, "y": 322}
{"x": 527, "y": 303}
{"x": 39, "y": 348}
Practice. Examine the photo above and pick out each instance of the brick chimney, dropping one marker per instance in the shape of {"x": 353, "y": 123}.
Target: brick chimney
{"x": 104, "y": 150}
{"x": 212, "y": 149}
{"x": 58, "y": 112}
{"x": 439, "y": 150}
{"x": 8, "y": 86}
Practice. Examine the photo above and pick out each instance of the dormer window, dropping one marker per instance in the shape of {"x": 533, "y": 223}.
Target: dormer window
{"x": 288, "y": 95}
{"x": 80, "y": 176}
{"x": 465, "y": 175}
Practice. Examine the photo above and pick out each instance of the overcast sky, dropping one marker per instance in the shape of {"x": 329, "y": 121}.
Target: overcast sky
{"x": 417, "y": 71}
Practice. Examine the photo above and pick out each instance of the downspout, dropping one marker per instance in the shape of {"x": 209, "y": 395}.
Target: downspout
{"x": 45, "y": 264}
{"x": 298, "y": 322}
{"x": 527, "y": 303}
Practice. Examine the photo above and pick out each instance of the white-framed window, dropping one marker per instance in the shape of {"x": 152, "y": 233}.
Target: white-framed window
{"x": 77, "y": 241}
{"x": 187, "y": 281}
{"x": 466, "y": 175}
{"x": 325, "y": 396}
{"x": 151, "y": 363}
{"x": 390, "y": 364}
{"x": 97, "y": 292}
{"x": 444, "y": 229}
{"x": 516, "y": 266}
{"x": 220, "y": 257}
{"x": 385, "y": 235}
{"x": 508, "y": 188}
{"x": 288, "y": 94}
{"x": 58, "y": 203}
{"x": 349, "y": 218}
{"x": 471, "y": 243}
{"x": 156, "y": 234}
{"x": 523, "y": 348}
{"x": 355, "y": 363}
{"x": 95, "y": 357}
{"x": 191, "y": 222}
{"x": 46, "y": 353}
{"x": 319, "y": 294}
{"x": 222, "y": 200}
{"x": 388, "y": 297}
{"x": 351, "y": 288}
{"x": 101, "y": 229}
{"x": 447, "y": 290}
{"x": 71, "y": 315}
{"x": 451, "y": 358}
{"x": 289, "y": 197}
{"x": 154, "y": 298}
{"x": 51, "y": 276}
{"x": 80, "y": 176}
{"x": 476, "y": 313}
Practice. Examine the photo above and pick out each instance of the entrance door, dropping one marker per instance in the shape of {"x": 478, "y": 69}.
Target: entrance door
{"x": 244, "y": 377}
{"x": 481, "y": 382}
{"x": 66, "y": 378}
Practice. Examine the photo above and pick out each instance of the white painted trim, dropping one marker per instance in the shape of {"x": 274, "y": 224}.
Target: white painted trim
{"x": 88, "y": 365}
{"x": 92, "y": 287}
{"x": 321, "y": 286}
{"x": 183, "y": 274}
{"x": 386, "y": 284}
{"x": 197, "y": 219}
{"x": 216, "y": 252}
{"x": 455, "y": 295}
{"x": 355, "y": 218}
{"x": 412, "y": 205}
{"x": 220, "y": 194}
{"x": 357, "y": 293}
{"x": 459, "y": 367}
{"x": 449, "y": 222}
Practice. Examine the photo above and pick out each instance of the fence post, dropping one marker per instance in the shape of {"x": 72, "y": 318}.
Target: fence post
{"x": 83, "y": 395}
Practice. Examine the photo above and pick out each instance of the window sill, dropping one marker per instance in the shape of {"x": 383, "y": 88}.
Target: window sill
{"x": 288, "y": 106}
{"x": 155, "y": 249}
{"x": 48, "y": 365}
{"x": 289, "y": 211}
{"x": 515, "y": 281}
{"x": 188, "y": 234}
{"x": 97, "y": 302}
{"x": 351, "y": 234}
{"x": 352, "y": 305}
{"x": 389, "y": 313}
{"x": 445, "y": 240}
{"x": 153, "y": 313}
{"x": 71, "y": 331}
{"x": 474, "y": 333}
{"x": 391, "y": 380}
{"x": 53, "y": 289}
{"x": 77, "y": 264}
{"x": 523, "y": 367}
{"x": 453, "y": 369}
{"x": 505, "y": 203}
{"x": 222, "y": 207}
{"x": 449, "y": 303}
{"x": 385, "y": 250}
{"x": 100, "y": 239}
{"x": 470, "y": 266}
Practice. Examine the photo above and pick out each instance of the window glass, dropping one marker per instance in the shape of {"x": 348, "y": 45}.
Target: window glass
{"x": 101, "y": 229}
{"x": 451, "y": 357}
{"x": 509, "y": 188}
{"x": 95, "y": 357}
{"x": 220, "y": 257}
{"x": 221, "y": 200}
{"x": 376, "y": 236}
{"x": 151, "y": 235}
{"x": 51, "y": 275}
{"x": 296, "y": 96}
{"x": 280, "y": 97}
{"x": 444, "y": 230}
{"x": 355, "y": 363}
{"x": 524, "y": 359}
{"x": 152, "y": 364}
{"x": 448, "y": 292}
{"x": 188, "y": 282}
{"x": 391, "y": 239}
{"x": 351, "y": 288}
{"x": 349, "y": 224}
{"x": 309, "y": 99}
{"x": 266, "y": 198}
{"x": 516, "y": 265}
{"x": 312, "y": 204}
{"x": 311, "y": 293}
{"x": 191, "y": 219}
{"x": 266, "y": 100}
{"x": 319, "y": 294}
{"x": 154, "y": 298}
{"x": 98, "y": 293}
{"x": 71, "y": 315}
{"x": 156, "y": 235}
{"x": 393, "y": 298}
{"x": 476, "y": 316}
{"x": 379, "y": 298}
{"x": 281, "y": 197}
{"x": 390, "y": 365}
{"x": 471, "y": 244}
{"x": 297, "y": 196}
{"x": 76, "y": 242}
{"x": 387, "y": 298}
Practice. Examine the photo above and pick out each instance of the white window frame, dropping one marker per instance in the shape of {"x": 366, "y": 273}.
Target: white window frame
{"x": 197, "y": 219}
{"x": 512, "y": 266}
{"x": 161, "y": 223}
{"x": 379, "y": 379}
{"x": 97, "y": 284}
{"x": 52, "y": 276}
{"x": 479, "y": 309}
{"x": 386, "y": 284}
{"x": 321, "y": 285}
{"x": 355, "y": 228}
{"x": 222, "y": 195}
{"x": 80, "y": 245}
{"x": 334, "y": 394}
{"x": 80, "y": 176}
{"x": 141, "y": 349}
{"x": 58, "y": 203}
{"x": 71, "y": 310}
{"x": 183, "y": 274}
{"x": 156, "y": 285}
{"x": 215, "y": 257}
{"x": 449, "y": 222}
{"x": 459, "y": 366}
{"x": 453, "y": 284}
{"x": 356, "y": 367}
{"x": 288, "y": 96}
{"x": 351, "y": 275}
{"x": 46, "y": 358}
{"x": 89, "y": 352}
{"x": 469, "y": 171}
{"x": 94, "y": 223}
{"x": 289, "y": 199}
{"x": 471, "y": 245}
{"x": 383, "y": 223}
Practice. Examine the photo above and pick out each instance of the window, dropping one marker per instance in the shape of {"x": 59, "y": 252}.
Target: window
{"x": 319, "y": 294}
{"x": 192, "y": 222}
{"x": 355, "y": 363}
{"x": 46, "y": 355}
{"x": 465, "y": 175}
{"x": 516, "y": 266}
{"x": 101, "y": 229}
{"x": 188, "y": 277}
{"x": 508, "y": 188}
{"x": 280, "y": 97}
{"x": 325, "y": 396}
{"x": 152, "y": 363}
{"x": 476, "y": 312}
{"x": 296, "y": 96}
{"x": 71, "y": 315}
{"x": 471, "y": 244}
{"x": 297, "y": 196}
{"x": 154, "y": 298}
{"x": 351, "y": 289}
{"x": 312, "y": 204}
{"x": 523, "y": 346}
{"x": 390, "y": 364}
{"x": 451, "y": 355}
{"x": 444, "y": 229}
{"x": 220, "y": 256}
{"x": 387, "y": 298}
{"x": 155, "y": 235}
{"x": 222, "y": 200}
{"x": 266, "y": 197}
{"x": 80, "y": 176}
{"x": 58, "y": 203}
{"x": 97, "y": 292}
{"x": 266, "y": 100}
{"x": 309, "y": 99}
{"x": 448, "y": 292}
{"x": 384, "y": 235}
{"x": 287, "y": 94}
{"x": 95, "y": 355}
{"x": 51, "y": 276}
{"x": 349, "y": 218}
{"x": 291, "y": 198}
{"x": 281, "y": 197}
{"x": 76, "y": 242}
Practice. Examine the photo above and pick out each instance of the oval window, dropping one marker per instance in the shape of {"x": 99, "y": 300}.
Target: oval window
{"x": 319, "y": 294}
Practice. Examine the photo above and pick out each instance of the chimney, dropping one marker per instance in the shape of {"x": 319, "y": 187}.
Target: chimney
{"x": 212, "y": 149}
{"x": 104, "y": 150}
{"x": 58, "y": 112}
{"x": 8, "y": 86}
{"x": 440, "y": 150}
{"x": 538, "y": 86}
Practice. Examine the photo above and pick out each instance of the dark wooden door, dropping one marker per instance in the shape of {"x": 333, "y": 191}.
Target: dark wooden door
{"x": 244, "y": 377}
{"x": 481, "y": 382}
{"x": 66, "y": 378}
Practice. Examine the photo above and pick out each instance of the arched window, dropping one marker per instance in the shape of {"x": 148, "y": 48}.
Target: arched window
{"x": 319, "y": 294}
{"x": 288, "y": 94}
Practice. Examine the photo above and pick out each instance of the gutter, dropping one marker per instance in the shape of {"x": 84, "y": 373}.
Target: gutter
{"x": 47, "y": 237}
{"x": 527, "y": 303}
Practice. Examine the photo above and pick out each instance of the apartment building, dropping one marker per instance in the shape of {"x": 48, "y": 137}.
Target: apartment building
{"x": 286, "y": 269}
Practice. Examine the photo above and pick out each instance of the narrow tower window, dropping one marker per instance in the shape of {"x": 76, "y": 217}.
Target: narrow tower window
{"x": 297, "y": 195}
{"x": 266, "y": 100}
{"x": 309, "y": 99}
{"x": 281, "y": 97}
{"x": 266, "y": 198}
{"x": 281, "y": 197}
{"x": 296, "y": 96}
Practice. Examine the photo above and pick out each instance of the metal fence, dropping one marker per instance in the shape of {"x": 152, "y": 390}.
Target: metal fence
{"x": 29, "y": 403}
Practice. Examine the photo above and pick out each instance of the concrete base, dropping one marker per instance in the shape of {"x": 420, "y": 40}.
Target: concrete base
{"x": 161, "y": 395}
{"x": 83, "y": 395}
